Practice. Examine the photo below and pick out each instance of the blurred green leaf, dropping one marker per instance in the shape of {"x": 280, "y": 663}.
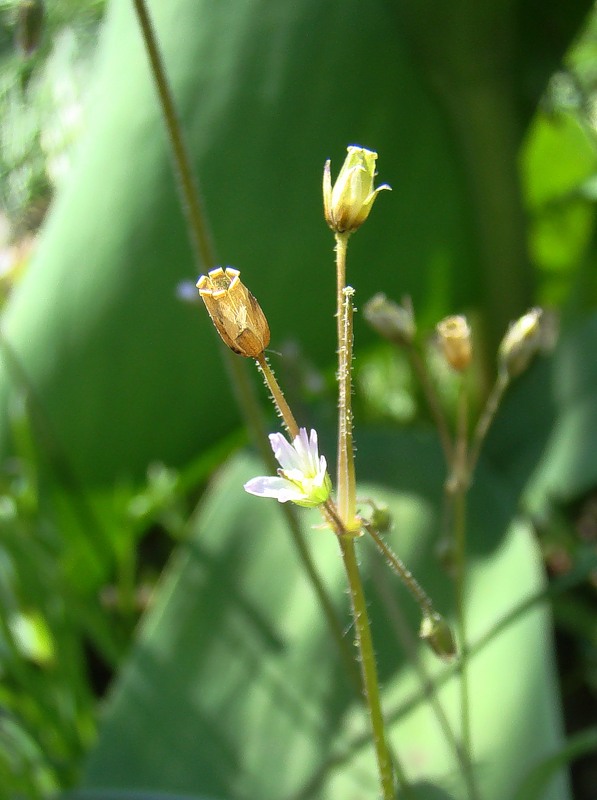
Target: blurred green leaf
{"x": 125, "y": 374}
{"x": 235, "y": 682}
{"x": 534, "y": 785}
{"x": 568, "y": 468}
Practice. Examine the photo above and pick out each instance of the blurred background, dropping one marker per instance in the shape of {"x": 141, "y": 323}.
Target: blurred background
{"x": 115, "y": 404}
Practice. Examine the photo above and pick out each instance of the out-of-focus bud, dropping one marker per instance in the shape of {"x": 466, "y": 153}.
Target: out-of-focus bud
{"x": 392, "y": 321}
{"x": 30, "y": 25}
{"x": 236, "y": 314}
{"x": 454, "y": 336}
{"x": 381, "y": 518}
{"x": 347, "y": 205}
{"x": 438, "y": 635}
{"x": 522, "y": 341}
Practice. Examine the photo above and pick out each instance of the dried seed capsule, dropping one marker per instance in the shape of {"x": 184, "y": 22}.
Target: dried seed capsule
{"x": 236, "y": 314}
{"x": 454, "y": 336}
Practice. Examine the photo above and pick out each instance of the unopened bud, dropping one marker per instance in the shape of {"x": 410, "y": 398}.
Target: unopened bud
{"x": 381, "y": 518}
{"x": 522, "y": 341}
{"x": 347, "y": 205}
{"x": 454, "y": 336}
{"x": 236, "y": 314}
{"x": 392, "y": 321}
{"x": 438, "y": 635}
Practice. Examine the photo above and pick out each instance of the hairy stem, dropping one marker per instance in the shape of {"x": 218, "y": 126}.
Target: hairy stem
{"x": 277, "y": 396}
{"x": 368, "y": 667}
{"x": 347, "y": 492}
{"x": 397, "y": 565}
{"x": 204, "y": 251}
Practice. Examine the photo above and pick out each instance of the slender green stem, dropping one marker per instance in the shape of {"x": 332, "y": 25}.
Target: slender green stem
{"x": 340, "y": 250}
{"x": 277, "y": 396}
{"x": 433, "y": 402}
{"x": 558, "y": 587}
{"x": 459, "y": 487}
{"x": 406, "y": 639}
{"x": 346, "y": 487}
{"x": 204, "y": 251}
{"x": 491, "y": 406}
{"x": 368, "y": 668}
{"x": 193, "y": 207}
{"x": 289, "y": 512}
{"x": 397, "y": 565}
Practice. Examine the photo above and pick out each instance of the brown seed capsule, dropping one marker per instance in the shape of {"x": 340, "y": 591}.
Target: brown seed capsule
{"x": 236, "y": 314}
{"x": 454, "y": 336}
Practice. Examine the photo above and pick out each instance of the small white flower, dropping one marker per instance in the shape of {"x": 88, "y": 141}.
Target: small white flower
{"x": 302, "y": 477}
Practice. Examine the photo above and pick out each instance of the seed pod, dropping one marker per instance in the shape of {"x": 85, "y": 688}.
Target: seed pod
{"x": 236, "y": 314}
{"x": 454, "y": 336}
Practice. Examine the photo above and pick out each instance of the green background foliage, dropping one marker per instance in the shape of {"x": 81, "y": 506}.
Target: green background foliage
{"x": 232, "y": 688}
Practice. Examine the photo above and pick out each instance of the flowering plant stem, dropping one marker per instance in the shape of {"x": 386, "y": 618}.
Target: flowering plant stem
{"x": 458, "y": 485}
{"x": 347, "y": 524}
{"x": 369, "y": 669}
{"x": 346, "y": 483}
{"x": 491, "y": 406}
{"x": 203, "y": 248}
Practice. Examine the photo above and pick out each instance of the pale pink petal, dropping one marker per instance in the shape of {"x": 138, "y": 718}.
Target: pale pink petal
{"x": 285, "y": 454}
{"x": 281, "y": 489}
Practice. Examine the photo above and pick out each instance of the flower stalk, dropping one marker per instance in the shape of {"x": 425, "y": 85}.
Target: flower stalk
{"x": 369, "y": 670}
{"x": 347, "y": 492}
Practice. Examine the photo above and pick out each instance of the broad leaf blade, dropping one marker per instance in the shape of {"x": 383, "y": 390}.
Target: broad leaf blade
{"x": 235, "y": 688}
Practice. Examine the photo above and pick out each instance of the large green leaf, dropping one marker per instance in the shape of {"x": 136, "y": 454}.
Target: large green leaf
{"x": 568, "y": 468}
{"x": 235, "y": 690}
{"x": 266, "y": 92}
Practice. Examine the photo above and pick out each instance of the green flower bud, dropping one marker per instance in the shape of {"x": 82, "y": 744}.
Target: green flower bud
{"x": 392, "y": 321}
{"x": 381, "y": 518}
{"x": 348, "y": 203}
{"x": 438, "y": 635}
{"x": 522, "y": 341}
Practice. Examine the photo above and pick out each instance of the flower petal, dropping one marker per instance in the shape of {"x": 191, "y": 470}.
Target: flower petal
{"x": 267, "y": 486}
{"x": 284, "y": 452}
